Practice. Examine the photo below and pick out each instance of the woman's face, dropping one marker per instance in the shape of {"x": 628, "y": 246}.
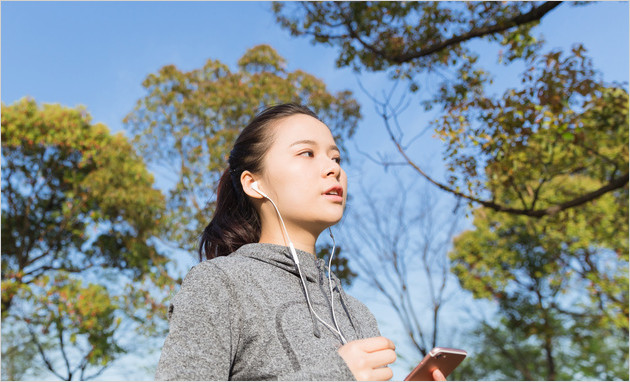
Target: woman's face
{"x": 302, "y": 173}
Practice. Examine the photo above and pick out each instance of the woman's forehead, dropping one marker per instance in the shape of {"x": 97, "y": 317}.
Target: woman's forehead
{"x": 302, "y": 128}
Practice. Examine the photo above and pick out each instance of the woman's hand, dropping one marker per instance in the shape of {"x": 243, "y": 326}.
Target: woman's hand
{"x": 368, "y": 358}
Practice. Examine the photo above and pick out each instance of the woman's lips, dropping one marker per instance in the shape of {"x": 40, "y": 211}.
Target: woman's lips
{"x": 334, "y": 198}
{"x": 335, "y": 189}
{"x": 334, "y": 194}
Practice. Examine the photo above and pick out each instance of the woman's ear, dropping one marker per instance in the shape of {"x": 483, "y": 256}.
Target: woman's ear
{"x": 247, "y": 179}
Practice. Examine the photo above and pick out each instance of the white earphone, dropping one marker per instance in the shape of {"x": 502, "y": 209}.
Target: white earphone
{"x": 291, "y": 247}
{"x": 254, "y": 186}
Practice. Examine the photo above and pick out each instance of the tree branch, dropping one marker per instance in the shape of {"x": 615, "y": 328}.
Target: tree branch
{"x": 96, "y": 374}
{"x": 355, "y": 35}
{"x": 63, "y": 348}
{"x": 535, "y": 14}
{"x": 41, "y": 351}
{"x": 551, "y": 210}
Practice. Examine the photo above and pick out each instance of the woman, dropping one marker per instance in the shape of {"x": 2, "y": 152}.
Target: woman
{"x": 261, "y": 307}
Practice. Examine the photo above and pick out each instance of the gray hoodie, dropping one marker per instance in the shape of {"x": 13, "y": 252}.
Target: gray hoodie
{"x": 245, "y": 317}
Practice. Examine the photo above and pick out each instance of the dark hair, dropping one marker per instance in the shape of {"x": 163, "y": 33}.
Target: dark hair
{"x": 235, "y": 221}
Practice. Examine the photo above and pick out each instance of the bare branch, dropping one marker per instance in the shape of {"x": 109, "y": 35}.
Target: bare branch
{"x": 41, "y": 351}
{"x": 96, "y": 374}
{"x": 386, "y": 243}
{"x": 378, "y": 161}
{"x": 62, "y": 348}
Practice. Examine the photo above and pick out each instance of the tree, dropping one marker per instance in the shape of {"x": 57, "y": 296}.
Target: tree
{"x": 408, "y": 39}
{"x": 505, "y": 351}
{"x": 529, "y": 137}
{"x": 188, "y": 121}
{"x": 398, "y": 248}
{"x": 510, "y": 142}
{"x": 560, "y": 284}
{"x": 81, "y": 318}
{"x": 78, "y": 217}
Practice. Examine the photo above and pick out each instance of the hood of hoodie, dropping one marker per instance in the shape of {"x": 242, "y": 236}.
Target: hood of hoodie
{"x": 313, "y": 268}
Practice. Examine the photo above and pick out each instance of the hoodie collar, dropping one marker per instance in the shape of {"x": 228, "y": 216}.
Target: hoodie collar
{"x": 280, "y": 256}
{"x": 312, "y": 268}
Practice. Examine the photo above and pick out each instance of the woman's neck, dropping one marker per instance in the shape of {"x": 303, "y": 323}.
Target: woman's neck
{"x": 302, "y": 239}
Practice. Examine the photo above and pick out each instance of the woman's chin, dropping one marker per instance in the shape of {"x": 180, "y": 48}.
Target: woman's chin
{"x": 331, "y": 221}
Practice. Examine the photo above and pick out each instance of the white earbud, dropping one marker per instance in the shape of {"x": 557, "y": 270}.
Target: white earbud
{"x": 284, "y": 228}
{"x": 255, "y": 188}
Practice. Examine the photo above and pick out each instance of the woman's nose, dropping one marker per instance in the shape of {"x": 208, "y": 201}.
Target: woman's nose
{"x": 332, "y": 168}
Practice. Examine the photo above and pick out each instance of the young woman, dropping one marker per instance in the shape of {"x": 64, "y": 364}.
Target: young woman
{"x": 262, "y": 306}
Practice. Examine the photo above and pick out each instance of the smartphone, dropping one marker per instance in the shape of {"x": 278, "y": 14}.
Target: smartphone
{"x": 445, "y": 359}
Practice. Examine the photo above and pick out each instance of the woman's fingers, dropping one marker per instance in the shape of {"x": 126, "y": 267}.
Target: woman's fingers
{"x": 381, "y": 358}
{"x": 382, "y": 374}
{"x": 438, "y": 376}
{"x": 367, "y": 358}
{"x": 373, "y": 344}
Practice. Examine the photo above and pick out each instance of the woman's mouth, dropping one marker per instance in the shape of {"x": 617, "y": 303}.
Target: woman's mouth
{"x": 334, "y": 194}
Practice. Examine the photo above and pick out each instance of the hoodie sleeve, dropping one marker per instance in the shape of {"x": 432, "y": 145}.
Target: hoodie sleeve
{"x": 333, "y": 368}
{"x": 201, "y": 342}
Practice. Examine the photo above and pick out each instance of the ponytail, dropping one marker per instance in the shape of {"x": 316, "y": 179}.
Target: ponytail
{"x": 236, "y": 221}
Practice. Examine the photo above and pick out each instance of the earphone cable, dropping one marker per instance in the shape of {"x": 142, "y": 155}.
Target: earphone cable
{"x": 297, "y": 263}
{"x": 332, "y": 299}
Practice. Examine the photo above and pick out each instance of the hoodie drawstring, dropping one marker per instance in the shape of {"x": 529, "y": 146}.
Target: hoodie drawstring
{"x": 342, "y": 297}
{"x": 337, "y": 287}
{"x": 316, "y": 332}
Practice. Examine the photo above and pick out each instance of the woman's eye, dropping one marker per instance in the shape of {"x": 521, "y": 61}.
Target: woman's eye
{"x": 308, "y": 153}
{"x": 338, "y": 160}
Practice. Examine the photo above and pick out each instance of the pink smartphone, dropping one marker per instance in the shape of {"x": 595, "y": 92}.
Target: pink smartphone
{"x": 445, "y": 359}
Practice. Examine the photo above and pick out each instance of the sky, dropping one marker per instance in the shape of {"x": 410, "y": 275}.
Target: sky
{"x": 97, "y": 54}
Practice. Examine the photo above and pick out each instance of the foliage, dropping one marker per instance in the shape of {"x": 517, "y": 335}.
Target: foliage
{"x": 81, "y": 318}
{"x": 505, "y": 351}
{"x": 562, "y": 121}
{"x": 188, "y": 121}
{"x": 76, "y": 201}
{"x": 560, "y": 284}
{"x": 518, "y": 144}
{"x": 412, "y": 37}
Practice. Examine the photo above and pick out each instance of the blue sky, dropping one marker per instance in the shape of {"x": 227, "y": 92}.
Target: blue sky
{"x": 96, "y": 54}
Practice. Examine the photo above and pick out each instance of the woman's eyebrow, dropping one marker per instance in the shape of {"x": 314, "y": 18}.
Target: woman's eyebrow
{"x": 312, "y": 142}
